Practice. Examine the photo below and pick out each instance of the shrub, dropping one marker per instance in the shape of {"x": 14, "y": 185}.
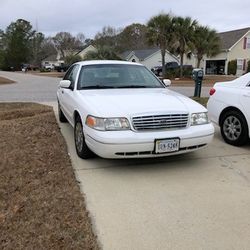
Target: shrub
{"x": 102, "y": 53}
{"x": 187, "y": 72}
{"x": 232, "y": 67}
{"x": 70, "y": 59}
{"x": 248, "y": 66}
{"x": 172, "y": 73}
{"x": 175, "y": 73}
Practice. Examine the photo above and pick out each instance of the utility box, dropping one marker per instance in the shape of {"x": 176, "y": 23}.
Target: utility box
{"x": 197, "y": 75}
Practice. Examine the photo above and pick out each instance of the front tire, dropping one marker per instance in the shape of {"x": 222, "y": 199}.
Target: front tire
{"x": 82, "y": 149}
{"x": 234, "y": 129}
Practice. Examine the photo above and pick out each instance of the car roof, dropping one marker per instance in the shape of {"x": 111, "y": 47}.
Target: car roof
{"x": 242, "y": 80}
{"x": 238, "y": 82}
{"x": 103, "y": 62}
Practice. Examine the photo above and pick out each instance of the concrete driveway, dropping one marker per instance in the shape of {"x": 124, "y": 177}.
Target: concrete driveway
{"x": 196, "y": 201}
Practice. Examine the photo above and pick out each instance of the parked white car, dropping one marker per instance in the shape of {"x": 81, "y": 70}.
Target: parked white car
{"x": 122, "y": 110}
{"x": 229, "y": 107}
{"x": 49, "y": 67}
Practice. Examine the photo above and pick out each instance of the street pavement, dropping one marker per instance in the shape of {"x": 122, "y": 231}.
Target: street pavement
{"x": 34, "y": 88}
{"x": 28, "y": 88}
{"x": 200, "y": 200}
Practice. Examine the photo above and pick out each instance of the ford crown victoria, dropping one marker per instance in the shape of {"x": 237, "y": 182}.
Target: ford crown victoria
{"x": 122, "y": 110}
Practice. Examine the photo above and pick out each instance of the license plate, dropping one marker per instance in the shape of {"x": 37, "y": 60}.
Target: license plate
{"x": 165, "y": 146}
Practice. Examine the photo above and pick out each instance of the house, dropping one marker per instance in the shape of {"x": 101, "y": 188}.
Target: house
{"x": 235, "y": 45}
{"x": 148, "y": 57}
{"x": 56, "y": 59}
{"x": 84, "y": 52}
{"x": 51, "y": 61}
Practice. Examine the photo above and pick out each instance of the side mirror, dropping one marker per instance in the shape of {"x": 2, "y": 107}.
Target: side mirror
{"x": 166, "y": 82}
{"x": 65, "y": 84}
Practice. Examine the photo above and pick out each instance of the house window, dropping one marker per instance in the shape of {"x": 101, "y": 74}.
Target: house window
{"x": 240, "y": 63}
{"x": 248, "y": 43}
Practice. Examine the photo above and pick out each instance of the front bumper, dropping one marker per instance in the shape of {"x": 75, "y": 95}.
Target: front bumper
{"x": 131, "y": 144}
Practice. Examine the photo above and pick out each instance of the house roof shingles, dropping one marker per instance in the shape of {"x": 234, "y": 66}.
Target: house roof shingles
{"x": 229, "y": 38}
{"x": 144, "y": 53}
{"x": 140, "y": 53}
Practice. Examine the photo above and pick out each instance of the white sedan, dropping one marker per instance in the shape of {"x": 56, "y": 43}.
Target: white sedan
{"x": 229, "y": 107}
{"x": 122, "y": 110}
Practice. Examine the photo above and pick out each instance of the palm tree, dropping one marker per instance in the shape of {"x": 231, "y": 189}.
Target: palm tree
{"x": 102, "y": 53}
{"x": 183, "y": 30}
{"x": 206, "y": 42}
{"x": 159, "y": 34}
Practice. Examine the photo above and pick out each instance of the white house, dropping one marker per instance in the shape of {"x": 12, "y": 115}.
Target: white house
{"x": 52, "y": 61}
{"x": 148, "y": 57}
{"x": 56, "y": 60}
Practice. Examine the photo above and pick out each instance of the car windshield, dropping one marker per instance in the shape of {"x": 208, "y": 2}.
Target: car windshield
{"x": 116, "y": 76}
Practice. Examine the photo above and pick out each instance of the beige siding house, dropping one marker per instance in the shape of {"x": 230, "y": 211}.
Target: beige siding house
{"x": 148, "y": 57}
{"x": 83, "y": 52}
{"x": 235, "y": 45}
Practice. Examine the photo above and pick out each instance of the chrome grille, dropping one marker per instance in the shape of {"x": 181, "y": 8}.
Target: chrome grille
{"x": 154, "y": 122}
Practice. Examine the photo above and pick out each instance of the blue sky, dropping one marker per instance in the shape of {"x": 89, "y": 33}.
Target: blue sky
{"x": 89, "y": 16}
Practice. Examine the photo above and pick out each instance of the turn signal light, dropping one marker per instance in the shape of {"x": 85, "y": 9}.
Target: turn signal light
{"x": 91, "y": 121}
{"x": 212, "y": 91}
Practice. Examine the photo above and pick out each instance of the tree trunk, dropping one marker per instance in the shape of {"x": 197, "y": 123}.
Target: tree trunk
{"x": 198, "y": 61}
{"x": 62, "y": 53}
{"x": 181, "y": 66}
{"x": 163, "y": 52}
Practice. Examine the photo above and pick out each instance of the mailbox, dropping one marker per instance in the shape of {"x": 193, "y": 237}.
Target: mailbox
{"x": 197, "y": 76}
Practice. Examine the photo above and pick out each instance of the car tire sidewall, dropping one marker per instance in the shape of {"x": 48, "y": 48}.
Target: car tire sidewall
{"x": 84, "y": 152}
{"x": 243, "y": 138}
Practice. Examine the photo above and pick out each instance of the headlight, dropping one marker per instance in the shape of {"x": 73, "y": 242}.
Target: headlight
{"x": 107, "y": 124}
{"x": 199, "y": 118}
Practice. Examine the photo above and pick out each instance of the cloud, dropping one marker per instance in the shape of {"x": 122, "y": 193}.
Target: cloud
{"x": 89, "y": 16}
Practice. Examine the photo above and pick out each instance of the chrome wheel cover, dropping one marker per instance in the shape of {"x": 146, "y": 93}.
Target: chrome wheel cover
{"x": 78, "y": 136}
{"x": 232, "y": 128}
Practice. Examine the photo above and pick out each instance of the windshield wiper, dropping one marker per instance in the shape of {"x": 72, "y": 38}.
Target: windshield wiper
{"x": 97, "y": 87}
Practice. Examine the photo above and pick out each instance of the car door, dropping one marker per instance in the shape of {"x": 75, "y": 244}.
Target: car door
{"x": 67, "y": 95}
{"x": 245, "y": 101}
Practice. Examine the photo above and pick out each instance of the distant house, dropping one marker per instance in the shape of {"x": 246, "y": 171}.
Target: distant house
{"x": 148, "y": 57}
{"x": 51, "y": 61}
{"x": 56, "y": 59}
{"x": 235, "y": 45}
{"x": 84, "y": 52}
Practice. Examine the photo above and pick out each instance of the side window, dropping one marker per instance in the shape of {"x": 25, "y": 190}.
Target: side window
{"x": 66, "y": 77}
{"x": 71, "y": 74}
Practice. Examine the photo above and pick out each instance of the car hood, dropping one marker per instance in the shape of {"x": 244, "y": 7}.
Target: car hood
{"x": 127, "y": 102}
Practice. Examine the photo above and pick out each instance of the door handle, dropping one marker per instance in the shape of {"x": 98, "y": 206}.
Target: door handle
{"x": 62, "y": 91}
